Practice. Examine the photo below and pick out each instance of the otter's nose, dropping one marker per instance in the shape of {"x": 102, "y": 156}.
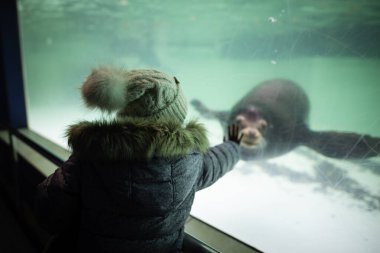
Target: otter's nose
{"x": 250, "y": 134}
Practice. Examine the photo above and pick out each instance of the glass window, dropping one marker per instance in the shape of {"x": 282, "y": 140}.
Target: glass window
{"x": 295, "y": 201}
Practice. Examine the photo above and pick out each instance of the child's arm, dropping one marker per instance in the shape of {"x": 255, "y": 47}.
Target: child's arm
{"x": 220, "y": 159}
{"x": 57, "y": 200}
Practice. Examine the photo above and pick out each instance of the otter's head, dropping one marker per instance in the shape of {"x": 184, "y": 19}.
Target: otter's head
{"x": 254, "y": 127}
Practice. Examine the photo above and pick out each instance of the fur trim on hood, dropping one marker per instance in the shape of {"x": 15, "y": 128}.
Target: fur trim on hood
{"x": 135, "y": 139}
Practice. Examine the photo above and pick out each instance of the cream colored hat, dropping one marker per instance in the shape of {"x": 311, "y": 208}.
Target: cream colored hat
{"x": 143, "y": 93}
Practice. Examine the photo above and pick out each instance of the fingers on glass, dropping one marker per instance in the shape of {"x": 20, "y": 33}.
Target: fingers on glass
{"x": 240, "y": 137}
{"x": 233, "y": 133}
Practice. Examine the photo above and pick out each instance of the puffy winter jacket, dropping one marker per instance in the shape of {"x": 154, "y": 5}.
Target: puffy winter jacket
{"x": 129, "y": 186}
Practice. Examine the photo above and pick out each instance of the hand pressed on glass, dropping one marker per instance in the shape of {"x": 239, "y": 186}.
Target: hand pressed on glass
{"x": 233, "y": 134}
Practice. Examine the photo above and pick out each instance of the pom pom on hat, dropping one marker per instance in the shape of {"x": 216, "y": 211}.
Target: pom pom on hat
{"x": 105, "y": 89}
{"x": 135, "y": 93}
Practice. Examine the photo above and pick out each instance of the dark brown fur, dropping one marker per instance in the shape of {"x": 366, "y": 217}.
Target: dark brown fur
{"x": 284, "y": 107}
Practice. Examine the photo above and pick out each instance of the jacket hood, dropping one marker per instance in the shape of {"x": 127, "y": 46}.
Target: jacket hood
{"x": 135, "y": 139}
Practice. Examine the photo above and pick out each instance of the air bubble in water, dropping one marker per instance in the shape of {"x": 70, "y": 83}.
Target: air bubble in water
{"x": 272, "y": 19}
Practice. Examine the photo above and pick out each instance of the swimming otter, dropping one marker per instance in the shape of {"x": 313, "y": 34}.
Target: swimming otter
{"x": 273, "y": 118}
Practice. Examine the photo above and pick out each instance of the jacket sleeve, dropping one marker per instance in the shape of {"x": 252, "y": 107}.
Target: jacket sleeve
{"x": 57, "y": 199}
{"x": 217, "y": 162}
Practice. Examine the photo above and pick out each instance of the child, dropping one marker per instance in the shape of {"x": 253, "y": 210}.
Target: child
{"x": 130, "y": 183}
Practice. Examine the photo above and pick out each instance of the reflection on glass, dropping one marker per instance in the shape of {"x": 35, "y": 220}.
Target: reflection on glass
{"x": 300, "y": 201}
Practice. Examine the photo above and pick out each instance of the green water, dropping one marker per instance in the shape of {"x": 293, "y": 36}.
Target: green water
{"x": 218, "y": 50}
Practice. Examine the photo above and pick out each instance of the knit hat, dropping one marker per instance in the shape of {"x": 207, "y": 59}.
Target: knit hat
{"x": 142, "y": 93}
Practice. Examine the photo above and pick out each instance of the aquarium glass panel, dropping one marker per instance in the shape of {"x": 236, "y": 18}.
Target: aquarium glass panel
{"x": 310, "y": 177}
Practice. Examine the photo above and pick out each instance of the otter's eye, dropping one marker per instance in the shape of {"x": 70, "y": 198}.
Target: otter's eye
{"x": 239, "y": 119}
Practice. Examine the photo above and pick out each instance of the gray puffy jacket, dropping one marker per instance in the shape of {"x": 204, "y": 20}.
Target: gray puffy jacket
{"x": 129, "y": 186}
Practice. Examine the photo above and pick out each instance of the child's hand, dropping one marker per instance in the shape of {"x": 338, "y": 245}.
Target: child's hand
{"x": 233, "y": 134}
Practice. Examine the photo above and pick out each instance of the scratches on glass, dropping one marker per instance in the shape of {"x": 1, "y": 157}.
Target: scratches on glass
{"x": 327, "y": 176}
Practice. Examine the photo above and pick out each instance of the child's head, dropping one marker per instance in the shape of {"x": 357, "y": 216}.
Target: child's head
{"x": 139, "y": 93}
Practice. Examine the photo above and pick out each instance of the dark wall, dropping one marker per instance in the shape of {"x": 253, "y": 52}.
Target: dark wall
{"x": 13, "y": 111}
{"x": 3, "y": 104}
